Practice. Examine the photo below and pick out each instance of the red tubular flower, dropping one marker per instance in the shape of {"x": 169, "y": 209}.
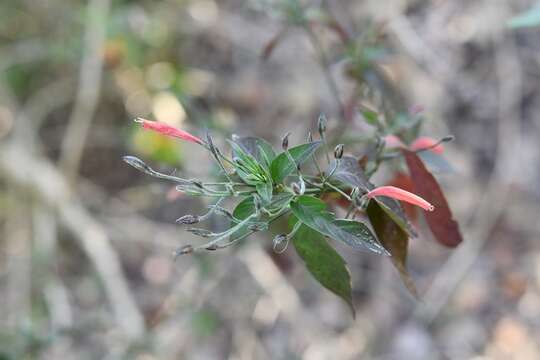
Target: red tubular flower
{"x": 400, "y": 194}
{"x": 424, "y": 142}
{"x": 168, "y": 130}
{"x": 393, "y": 141}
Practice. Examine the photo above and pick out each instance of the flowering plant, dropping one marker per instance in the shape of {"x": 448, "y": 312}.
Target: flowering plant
{"x": 274, "y": 185}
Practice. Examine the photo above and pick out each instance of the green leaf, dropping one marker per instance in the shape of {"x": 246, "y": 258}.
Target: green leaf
{"x": 323, "y": 262}
{"x": 265, "y": 190}
{"x": 394, "y": 239}
{"x": 244, "y": 209}
{"x": 530, "y": 18}
{"x": 350, "y": 173}
{"x": 249, "y": 169}
{"x": 312, "y": 212}
{"x": 281, "y": 167}
{"x": 260, "y": 149}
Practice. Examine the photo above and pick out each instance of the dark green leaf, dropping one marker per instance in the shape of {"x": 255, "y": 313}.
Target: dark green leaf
{"x": 323, "y": 262}
{"x": 281, "y": 167}
{"x": 394, "y": 239}
{"x": 350, "y": 173}
{"x": 312, "y": 212}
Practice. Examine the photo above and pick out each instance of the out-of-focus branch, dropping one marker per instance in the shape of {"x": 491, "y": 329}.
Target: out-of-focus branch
{"x": 497, "y": 189}
{"x": 89, "y": 88}
{"x": 39, "y": 177}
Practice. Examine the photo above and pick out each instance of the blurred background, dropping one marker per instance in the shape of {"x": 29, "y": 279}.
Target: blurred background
{"x": 86, "y": 270}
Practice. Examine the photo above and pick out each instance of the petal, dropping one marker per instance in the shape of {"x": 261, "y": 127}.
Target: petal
{"x": 168, "y": 130}
{"x": 425, "y": 142}
{"x": 400, "y": 194}
{"x": 392, "y": 141}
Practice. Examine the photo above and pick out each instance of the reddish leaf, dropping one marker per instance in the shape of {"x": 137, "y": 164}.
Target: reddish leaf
{"x": 440, "y": 221}
{"x": 268, "y": 49}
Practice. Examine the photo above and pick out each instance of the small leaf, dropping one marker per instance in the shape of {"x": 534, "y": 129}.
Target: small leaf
{"x": 244, "y": 209}
{"x": 281, "y": 167}
{"x": 265, "y": 190}
{"x": 272, "y": 43}
{"x": 440, "y": 221}
{"x": 394, "y": 239}
{"x": 323, "y": 262}
{"x": 260, "y": 149}
{"x": 350, "y": 173}
{"x": 312, "y": 212}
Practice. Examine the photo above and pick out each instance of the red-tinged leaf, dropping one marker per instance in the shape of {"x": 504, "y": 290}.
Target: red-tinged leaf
{"x": 444, "y": 227}
{"x": 404, "y": 182}
{"x": 394, "y": 240}
{"x": 268, "y": 49}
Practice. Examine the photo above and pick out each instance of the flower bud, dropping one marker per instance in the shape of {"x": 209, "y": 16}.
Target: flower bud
{"x": 280, "y": 243}
{"x": 321, "y": 124}
{"x": 338, "y": 151}
{"x": 298, "y": 189}
{"x": 188, "y": 219}
{"x": 186, "y": 249}
{"x": 285, "y": 142}
{"x": 310, "y": 137}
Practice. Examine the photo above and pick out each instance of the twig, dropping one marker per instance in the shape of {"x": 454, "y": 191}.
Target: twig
{"x": 89, "y": 88}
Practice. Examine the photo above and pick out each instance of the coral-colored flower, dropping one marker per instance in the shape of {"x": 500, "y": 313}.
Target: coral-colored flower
{"x": 400, "y": 194}
{"x": 168, "y": 130}
{"x": 393, "y": 141}
{"x": 422, "y": 142}
{"x": 426, "y": 142}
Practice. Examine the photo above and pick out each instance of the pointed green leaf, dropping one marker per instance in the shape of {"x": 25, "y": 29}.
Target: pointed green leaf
{"x": 265, "y": 190}
{"x": 281, "y": 167}
{"x": 323, "y": 262}
{"x": 394, "y": 239}
{"x": 244, "y": 209}
{"x": 260, "y": 149}
{"x": 312, "y": 212}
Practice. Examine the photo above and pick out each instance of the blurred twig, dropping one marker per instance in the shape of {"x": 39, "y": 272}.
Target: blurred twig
{"x": 39, "y": 177}
{"x": 89, "y": 88}
{"x": 495, "y": 198}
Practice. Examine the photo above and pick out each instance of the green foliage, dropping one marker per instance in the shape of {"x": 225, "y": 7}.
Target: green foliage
{"x": 312, "y": 212}
{"x": 282, "y": 166}
{"x": 323, "y": 262}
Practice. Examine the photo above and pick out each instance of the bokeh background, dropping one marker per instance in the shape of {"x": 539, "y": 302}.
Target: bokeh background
{"x": 85, "y": 249}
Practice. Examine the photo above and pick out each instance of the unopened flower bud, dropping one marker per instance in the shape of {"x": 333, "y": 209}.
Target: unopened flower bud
{"x": 186, "y": 249}
{"x": 310, "y": 137}
{"x": 201, "y": 232}
{"x": 285, "y": 142}
{"x": 338, "y": 151}
{"x": 188, "y": 219}
{"x": 280, "y": 243}
{"x": 298, "y": 189}
{"x": 321, "y": 124}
